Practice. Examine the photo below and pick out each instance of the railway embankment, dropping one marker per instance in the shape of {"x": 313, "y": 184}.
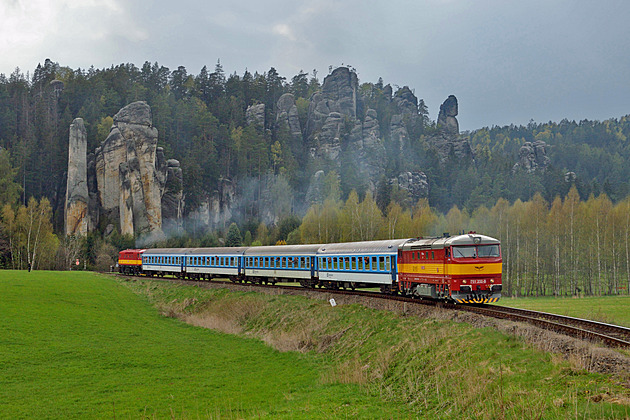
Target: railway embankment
{"x": 441, "y": 362}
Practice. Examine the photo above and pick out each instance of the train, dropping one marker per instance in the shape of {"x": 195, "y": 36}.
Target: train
{"x": 463, "y": 268}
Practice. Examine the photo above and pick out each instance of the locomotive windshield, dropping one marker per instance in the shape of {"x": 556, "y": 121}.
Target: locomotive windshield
{"x": 481, "y": 251}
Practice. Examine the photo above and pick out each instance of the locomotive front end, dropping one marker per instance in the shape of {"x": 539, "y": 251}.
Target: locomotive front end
{"x": 474, "y": 267}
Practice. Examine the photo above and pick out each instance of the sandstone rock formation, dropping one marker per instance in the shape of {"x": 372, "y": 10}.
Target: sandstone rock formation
{"x": 77, "y": 196}
{"x": 127, "y": 174}
{"x": 172, "y": 199}
{"x": 415, "y": 183}
{"x": 255, "y": 115}
{"x": 532, "y": 157}
{"x": 217, "y": 210}
{"x": 337, "y": 122}
{"x": 287, "y": 113}
{"x": 407, "y": 108}
{"x": 126, "y": 182}
{"x": 447, "y": 141}
{"x": 447, "y": 120}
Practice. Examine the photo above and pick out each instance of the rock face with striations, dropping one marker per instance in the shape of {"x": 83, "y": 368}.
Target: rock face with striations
{"x": 532, "y": 157}
{"x": 131, "y": 173}
{"x": 77, "y": 196}
{"x": 406, "y": 105}
{"x": 287, "y": 113}
{"x": 255, "y": 115}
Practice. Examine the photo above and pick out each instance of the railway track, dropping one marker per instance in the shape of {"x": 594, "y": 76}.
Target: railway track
{"x": 611, "y": 335}
{"x": 584, "y": 329}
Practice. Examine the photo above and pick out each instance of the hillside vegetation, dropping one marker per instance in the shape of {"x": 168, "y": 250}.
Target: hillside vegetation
{"x": 564, "y": 227}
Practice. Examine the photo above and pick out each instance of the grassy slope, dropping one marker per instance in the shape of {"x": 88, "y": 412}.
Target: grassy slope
{"x": 441, "y": 369}
{"x": 77, "y": 345}
{"x": 610, "y": 309}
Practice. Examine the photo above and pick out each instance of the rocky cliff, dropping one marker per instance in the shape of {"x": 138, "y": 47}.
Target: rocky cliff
{"x": 127, "y": 182}
{"x": 337, "y": 122}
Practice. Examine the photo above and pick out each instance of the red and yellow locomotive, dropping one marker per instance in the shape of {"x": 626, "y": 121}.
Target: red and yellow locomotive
{"x": 464, "y": 268}
{"x": 130, "y": 261}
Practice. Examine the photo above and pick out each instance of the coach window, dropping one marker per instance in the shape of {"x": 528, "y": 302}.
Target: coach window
{"x": 354, "y": 263}
{"x": 387, "y": 263}
{"x": 381, "y": 263}
{"x": 432, "y": 255}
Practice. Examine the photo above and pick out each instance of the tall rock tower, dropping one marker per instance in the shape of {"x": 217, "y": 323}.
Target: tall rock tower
{"x": 76, "y": 211}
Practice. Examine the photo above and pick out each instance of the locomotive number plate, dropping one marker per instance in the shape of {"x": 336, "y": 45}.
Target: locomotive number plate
{"x": 477, "y": 281}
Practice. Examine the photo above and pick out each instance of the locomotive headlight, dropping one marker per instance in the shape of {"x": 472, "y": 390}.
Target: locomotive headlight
{"x": 464, "y": 281}
{"x": 491, "y": 280}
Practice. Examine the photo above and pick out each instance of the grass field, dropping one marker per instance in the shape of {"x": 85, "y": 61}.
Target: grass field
{"x": 79, "y": 345}
{"x": 610, "y": 309}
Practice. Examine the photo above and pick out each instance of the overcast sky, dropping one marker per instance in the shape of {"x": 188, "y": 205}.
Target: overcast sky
{"x": 506, "y": 61}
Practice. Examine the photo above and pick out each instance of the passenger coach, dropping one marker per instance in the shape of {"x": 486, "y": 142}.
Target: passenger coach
{"x": 359, "y": 264}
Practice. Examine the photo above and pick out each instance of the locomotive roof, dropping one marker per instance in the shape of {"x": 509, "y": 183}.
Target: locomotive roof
{"x": 458, "y": 240}
{"x": 367, "y": 247}
{"x": 283, "y": 250}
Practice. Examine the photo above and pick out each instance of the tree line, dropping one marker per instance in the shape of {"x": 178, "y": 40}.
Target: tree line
{"x": 201, "y": 121}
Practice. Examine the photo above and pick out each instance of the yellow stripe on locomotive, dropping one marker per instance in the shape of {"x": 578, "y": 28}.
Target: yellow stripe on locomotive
{"x": 129, "y": 262}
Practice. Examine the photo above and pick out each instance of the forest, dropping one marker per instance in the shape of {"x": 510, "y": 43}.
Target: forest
{"x": 561, "y": 235}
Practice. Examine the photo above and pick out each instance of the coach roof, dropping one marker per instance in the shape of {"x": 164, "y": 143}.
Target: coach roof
{"x": 282, "y": 250}
{"x": 367, "y": 247}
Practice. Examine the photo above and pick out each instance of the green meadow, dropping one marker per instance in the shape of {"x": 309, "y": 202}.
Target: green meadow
{"x": 82, "y": 345}
{"x": 609, "y": 309}
{"x": 78, "y": 345}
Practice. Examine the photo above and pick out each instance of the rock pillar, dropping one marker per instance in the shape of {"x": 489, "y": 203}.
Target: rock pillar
{"x": 77, "y": 197}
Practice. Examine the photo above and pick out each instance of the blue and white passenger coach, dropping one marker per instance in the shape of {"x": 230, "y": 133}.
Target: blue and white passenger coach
{"x": 207, "y": 263}
{"x": 352, "y": 264}
{"x": 269, "y": 264}
{"x": 164, "y": 261}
